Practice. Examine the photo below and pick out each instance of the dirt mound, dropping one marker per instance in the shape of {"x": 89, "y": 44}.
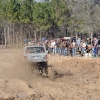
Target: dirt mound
{"x": 14, "y": 75}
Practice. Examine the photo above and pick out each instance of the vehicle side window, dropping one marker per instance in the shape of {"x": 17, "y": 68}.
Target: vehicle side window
{"x": 42, "y": 49}
{"x": 27, "y": 50}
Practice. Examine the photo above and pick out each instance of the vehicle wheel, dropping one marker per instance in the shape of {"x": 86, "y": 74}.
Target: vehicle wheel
{"x": 51, "y": 73}
{"x": 45, "y": 69}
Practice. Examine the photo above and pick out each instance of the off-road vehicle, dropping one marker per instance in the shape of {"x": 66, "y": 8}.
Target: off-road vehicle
{"x": 38, "y": 55}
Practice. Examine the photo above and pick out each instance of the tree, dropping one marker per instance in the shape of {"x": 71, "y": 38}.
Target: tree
{"x": 34, "y": 15}
{"x": 48, "y": 14}
{"x": 26, "y": 11}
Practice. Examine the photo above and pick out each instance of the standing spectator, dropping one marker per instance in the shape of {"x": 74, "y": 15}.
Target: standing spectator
{"x": 49, "y": 48}
{"x": 60, "y": 47}
{"x": 95, "y": 46}
{"x": 63, "y": 47}
{"x": 69, "y": 51}
{"x": 73, "y": 48}
{"x": 29, "y": 44}
{"x": 25, "y": 41}
{"x": 53, "y": 44}
{"x": 57, "y": 46}
{"x": 46, "y": 45}
{"x": 65, "y": 53}
{"x": 78, "y": 41}
{"x": 83, "y": 47}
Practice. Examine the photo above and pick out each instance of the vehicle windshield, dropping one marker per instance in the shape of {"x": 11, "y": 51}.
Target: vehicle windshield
{"x": 35, "y": 50}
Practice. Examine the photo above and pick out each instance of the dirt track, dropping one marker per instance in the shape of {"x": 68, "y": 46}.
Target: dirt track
{"x": 76, "y": 78}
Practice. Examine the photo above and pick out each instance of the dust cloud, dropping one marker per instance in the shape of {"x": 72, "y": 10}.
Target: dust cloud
{"x": 15, "y": 66}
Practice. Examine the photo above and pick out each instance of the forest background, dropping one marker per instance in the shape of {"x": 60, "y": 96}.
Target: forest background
{"x": 30, "y": 19}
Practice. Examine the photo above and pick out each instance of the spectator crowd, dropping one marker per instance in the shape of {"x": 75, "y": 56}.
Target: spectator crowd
{"x": 72, "y": 47}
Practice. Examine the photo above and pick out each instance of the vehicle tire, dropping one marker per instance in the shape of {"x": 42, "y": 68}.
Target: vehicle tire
{"x": 51, "y": 73}
{"x": 42, "y": 67}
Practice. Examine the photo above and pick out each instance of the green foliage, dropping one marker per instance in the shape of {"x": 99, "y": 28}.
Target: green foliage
{"x": 46, "y": 14}
{"x": 60, "y": 10}
{"x": 14, "y": 10}
{"x": 11, "y": 10}
{"x": 1, "y": 10}
{"x": 41, "y": 15}
{"x": 26, "y": 11}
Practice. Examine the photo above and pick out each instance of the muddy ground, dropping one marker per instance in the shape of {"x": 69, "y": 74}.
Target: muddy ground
{"x": 76, "y": 78}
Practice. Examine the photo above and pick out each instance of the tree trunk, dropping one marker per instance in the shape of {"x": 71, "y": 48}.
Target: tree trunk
{"x": 16, "y": 38}
{"x": 35, "y": 36}
{"x": 13, "y": 34}
{"x": 91, "y": 36}
{"x": 5, "y": 37}
{"x": 40, "y": 34}
{"x": 2, "y": 39}
{"x": 8, "y": 35}
{"x": 21, "y": 38}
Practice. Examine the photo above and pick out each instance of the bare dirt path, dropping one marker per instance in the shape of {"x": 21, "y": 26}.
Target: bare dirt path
{"x": 76, "y": 78}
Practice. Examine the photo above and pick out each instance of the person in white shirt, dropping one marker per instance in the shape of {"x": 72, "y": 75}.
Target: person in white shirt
{"x": 53, "y": 45}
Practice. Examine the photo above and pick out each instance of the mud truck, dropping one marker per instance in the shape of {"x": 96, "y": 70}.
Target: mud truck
{"x": 37, "y": 55}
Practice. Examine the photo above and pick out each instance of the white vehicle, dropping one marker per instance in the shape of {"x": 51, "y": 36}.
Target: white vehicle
{"x": 37, "y": 54}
